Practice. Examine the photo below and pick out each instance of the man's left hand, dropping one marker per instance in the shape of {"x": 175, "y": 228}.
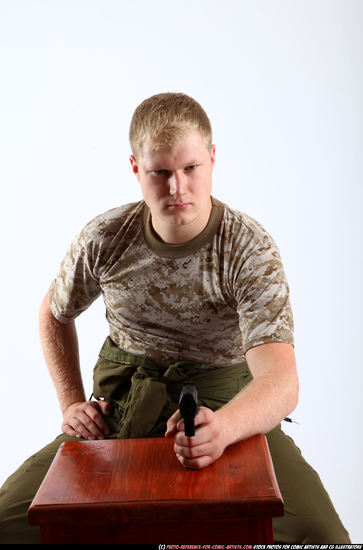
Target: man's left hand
{"x": 205, "y": 446}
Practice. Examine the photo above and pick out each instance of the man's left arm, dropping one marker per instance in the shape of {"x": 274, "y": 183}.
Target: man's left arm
{"x": 257, "y": 408}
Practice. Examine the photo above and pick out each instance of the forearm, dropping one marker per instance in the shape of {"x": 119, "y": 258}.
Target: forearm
{"x": 60, "y": 348}
{"x": 266, "y": 400}
{"x": 258, "y": 408}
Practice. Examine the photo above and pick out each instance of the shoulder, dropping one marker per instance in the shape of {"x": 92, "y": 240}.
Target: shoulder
{"x": 105, "y": 226}
{"x": 241, "y": 230}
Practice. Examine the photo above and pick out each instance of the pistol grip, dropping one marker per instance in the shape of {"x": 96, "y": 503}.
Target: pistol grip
{"x": 189, "y": 428}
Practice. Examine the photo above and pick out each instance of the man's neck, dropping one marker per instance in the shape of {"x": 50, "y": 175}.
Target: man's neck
{"x": 181, "y": 233}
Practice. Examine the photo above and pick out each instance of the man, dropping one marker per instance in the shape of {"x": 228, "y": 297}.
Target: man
{"x": 191, "y": 287}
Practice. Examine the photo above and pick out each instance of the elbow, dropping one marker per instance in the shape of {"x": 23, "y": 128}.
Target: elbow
{"x": 293, "y": 396}
{"x": 45, "y": 315}
{"x": 45, "y": 305}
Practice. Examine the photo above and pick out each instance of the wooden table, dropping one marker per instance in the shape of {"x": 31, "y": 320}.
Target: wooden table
{"x": 135, "y": 491}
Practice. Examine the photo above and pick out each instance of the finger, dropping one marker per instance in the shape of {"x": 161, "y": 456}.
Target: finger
{"x": 68, "y": 430}
{"x": 105, "y": 407}
{"x": 203, "y": 434}
{"x": 194, "y": 452}
{"x": 195, "y": 463}
{"x": 83, "y": 424}
{"x": 93, "y": 411}
{"x": 204, "y": 416}
{"x": 171, "y": 425}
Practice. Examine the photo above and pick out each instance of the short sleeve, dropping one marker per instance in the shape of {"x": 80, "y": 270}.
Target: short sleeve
{"x": 262, "y": 294}
{"x": 75, "y": 287}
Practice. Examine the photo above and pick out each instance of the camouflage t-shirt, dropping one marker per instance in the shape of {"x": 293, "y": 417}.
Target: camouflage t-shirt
{"x": 208, "y": 300}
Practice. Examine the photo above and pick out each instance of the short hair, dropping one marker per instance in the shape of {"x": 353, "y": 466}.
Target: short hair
{"x": 163, "y": 119}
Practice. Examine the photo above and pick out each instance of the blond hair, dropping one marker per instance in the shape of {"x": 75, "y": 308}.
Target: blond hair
{"x": 163, "y": 119}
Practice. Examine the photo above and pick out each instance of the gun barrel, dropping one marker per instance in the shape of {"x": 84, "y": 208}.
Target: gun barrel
{"x": 188, "y": 406}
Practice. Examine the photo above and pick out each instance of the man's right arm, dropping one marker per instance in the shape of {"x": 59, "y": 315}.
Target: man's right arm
{"x": 59, "y": 342}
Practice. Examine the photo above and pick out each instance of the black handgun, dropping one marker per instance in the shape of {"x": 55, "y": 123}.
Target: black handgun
{"x": 188, "y": 407}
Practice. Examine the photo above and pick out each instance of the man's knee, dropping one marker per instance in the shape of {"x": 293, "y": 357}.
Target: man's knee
{"x": 17, "y": 494}
{"x": 14, "y": 528}
{"x": 14, "y": 503}
{"x": 310, "y": 514}
{"x": 310, "y": 530}
{"x": 327, "y": 530}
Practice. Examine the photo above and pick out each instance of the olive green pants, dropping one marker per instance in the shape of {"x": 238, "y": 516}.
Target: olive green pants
{"x": 143, "y": 396}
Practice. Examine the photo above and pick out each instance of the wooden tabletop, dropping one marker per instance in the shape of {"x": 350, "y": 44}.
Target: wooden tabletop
{"x": 128, "y": 478}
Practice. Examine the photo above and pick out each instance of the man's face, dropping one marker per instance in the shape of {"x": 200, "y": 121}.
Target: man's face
{"x": 176, "y": 184}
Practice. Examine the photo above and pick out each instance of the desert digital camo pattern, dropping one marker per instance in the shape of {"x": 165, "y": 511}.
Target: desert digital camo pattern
{"x": 207, "y": 301}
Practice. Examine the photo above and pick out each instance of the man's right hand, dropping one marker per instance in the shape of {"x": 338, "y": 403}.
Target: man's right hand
{"x": 85, "y": 419}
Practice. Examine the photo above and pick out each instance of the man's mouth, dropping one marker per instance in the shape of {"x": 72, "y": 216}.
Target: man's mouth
{"x": 179, "y": 205}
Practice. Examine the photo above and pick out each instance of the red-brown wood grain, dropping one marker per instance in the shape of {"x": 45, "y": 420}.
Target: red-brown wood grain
{"x": 132, "y": 489}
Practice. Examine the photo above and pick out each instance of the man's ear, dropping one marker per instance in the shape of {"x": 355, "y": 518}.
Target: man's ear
{"x": 134, "y": 166}
{"x": 213, "y": 155}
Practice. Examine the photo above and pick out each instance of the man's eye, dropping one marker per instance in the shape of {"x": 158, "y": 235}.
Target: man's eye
{"x": 159, "y": 172}
{"x": 192, "y": 167}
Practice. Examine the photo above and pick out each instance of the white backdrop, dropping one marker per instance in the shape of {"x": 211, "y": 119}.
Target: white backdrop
{"x": 282, "y": 82}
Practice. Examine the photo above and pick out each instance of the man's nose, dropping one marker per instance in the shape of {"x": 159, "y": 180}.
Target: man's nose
{"x": 176, "y": 184}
